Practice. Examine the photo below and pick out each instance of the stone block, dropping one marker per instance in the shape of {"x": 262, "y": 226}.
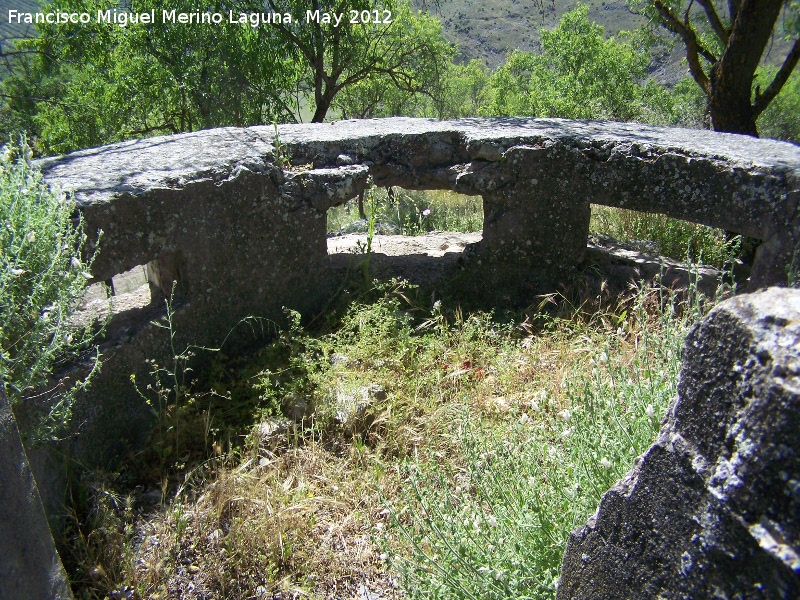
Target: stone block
{"x": 712, "y": 509}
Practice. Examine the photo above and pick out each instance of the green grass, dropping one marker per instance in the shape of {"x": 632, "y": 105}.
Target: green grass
{"x": 406, "y": 212}
{"x": 403, "y": 212}
{"x": 659, "y": 234}
{"x": 491, "y": 439}
{"x": 492, "y": 521}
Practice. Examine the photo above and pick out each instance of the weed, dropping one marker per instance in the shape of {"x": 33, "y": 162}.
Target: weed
{"x": 493, "y": 438}
{"x": 44, "y": 272}
{"x": 281, "y": 156}
{"x": 492, "y": 522}
{"x": 659, "y": 234}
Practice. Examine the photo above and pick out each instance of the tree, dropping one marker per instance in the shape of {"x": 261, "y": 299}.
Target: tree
{"x": 578, "y": 75}
{"x": 724, "y": 46}
{"x": 96, "y": 83}
{"x": 381, "y": 43}
{"x": 93, "y": 83}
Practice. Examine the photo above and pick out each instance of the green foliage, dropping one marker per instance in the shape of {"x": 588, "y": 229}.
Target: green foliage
{"x": 397, "y": 68}
{"x": 660, "y": 234}
{"x": 724, "y": 44}
{"x": 781, "y": 119}
{"x": 689, "y": 108}
{"x": 94, "y": 83}
{"x": 101, "y": 83}
{"x": 43, "y": 278}
{"x": 578, "y": 75}
{"x": 493, "y": 520}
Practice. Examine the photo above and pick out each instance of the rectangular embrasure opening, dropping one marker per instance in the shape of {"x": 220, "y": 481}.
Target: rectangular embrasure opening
{"x": 135, "y": 295}
{"x": 417, "y": 234}
{"x": 407, "y": 212}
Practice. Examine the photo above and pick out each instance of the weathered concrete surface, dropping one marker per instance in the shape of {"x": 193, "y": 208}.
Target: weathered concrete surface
{"x": 212, "y": 213}
{"x": 29, "y": 564}
{"x": 537, "y": 177}
{"x": 427, "y": 260}
{"x": 712, "y": 509}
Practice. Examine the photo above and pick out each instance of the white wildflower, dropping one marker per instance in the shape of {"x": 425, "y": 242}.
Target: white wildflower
{"x": 74, "y": 262}
{"x": 492, "y": 520}
{"x": 603, "y": 357}
{"x": 524, "y": 419}
{"x": 31, "y": 237}
{"x": 650, "y": 410}
{"x": 605, "y": 463}
{"x": 566, "y": 433}
{"x": 17, "y": 271}
{"x": 565, "y": 414}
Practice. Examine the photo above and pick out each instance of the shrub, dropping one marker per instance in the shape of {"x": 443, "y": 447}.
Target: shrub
{"x": 781, "y": 119}
{"x": 42, "y": 279}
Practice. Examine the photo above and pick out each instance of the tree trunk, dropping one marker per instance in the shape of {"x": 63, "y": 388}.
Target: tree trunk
{"x": 323, "y": 102}
{"x": 731, "y": 82}
{"x": 729, "y": 105}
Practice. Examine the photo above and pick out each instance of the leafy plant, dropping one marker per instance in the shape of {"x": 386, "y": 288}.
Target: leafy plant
{"x": 169, "y": 390}
{"x": 44, "y": 272}
{"x": 578, "y": 75}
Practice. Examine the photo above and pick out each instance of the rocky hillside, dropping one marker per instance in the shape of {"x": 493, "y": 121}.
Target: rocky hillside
{"x": 488, "y": 29}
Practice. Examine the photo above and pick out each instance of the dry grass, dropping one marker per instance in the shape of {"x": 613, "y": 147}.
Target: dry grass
{"x": 305, "y": 517}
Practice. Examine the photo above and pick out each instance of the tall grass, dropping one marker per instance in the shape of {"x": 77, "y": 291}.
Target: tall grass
{"x": 492, "y": 438}
{"x": 660, "y": 234}
{"x": 492, "y": 521}
{"x": 408, "y": 212}
{"x": 405, "y": 212}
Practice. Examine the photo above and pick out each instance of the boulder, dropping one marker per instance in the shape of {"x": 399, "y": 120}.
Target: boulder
{"x": 712, "y": 509}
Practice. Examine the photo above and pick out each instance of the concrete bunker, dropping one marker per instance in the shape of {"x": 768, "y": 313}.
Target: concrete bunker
{"x": 245, "y": 234}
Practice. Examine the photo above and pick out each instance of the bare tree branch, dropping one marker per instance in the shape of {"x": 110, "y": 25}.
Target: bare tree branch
{"x": 763, "y": 100}
{"x": 716, "y": 23}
